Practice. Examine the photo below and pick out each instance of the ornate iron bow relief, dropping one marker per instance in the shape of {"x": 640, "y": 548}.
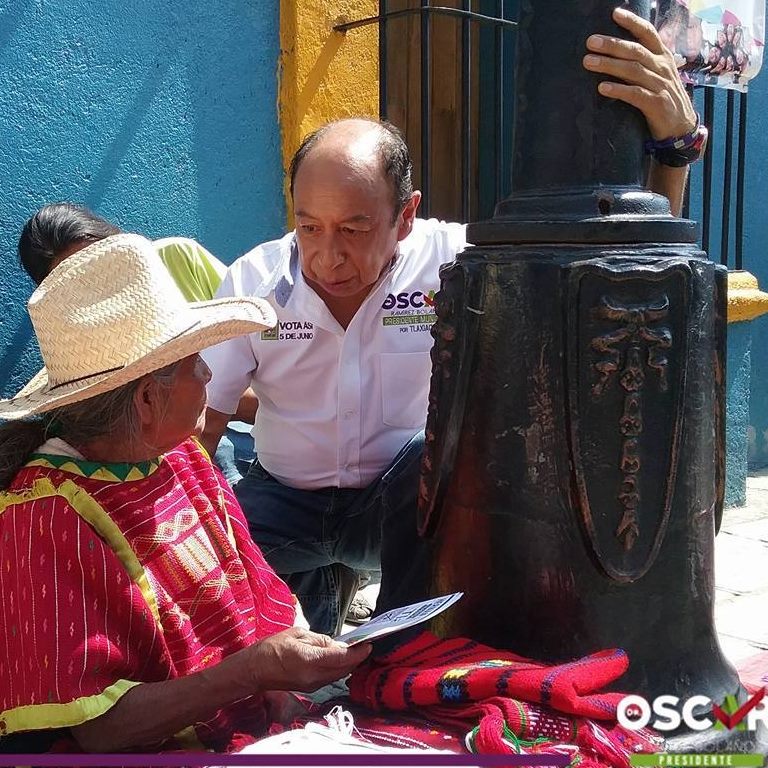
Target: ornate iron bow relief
{"x": 638, "y": 344}
{"x": 627, "y": 358}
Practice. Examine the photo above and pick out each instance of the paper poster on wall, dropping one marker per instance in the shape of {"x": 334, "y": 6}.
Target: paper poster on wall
{"x": 715, "y": 42}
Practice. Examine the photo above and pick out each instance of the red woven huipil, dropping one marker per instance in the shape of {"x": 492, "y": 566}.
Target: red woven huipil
{"x": 117, "y": 574}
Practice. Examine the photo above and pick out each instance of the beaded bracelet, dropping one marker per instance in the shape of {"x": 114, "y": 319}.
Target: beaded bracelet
{"x": 679, "y": 151}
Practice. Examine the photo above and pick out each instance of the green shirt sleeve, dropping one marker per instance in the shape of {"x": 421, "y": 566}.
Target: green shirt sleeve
{"x": 195, "y": 271}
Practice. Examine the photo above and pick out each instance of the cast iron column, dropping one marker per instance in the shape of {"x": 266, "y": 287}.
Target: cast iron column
{"x": 573, "y": 474}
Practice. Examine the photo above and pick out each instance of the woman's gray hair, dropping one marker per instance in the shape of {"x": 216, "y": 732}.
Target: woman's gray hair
{"x": 78, "y": 424}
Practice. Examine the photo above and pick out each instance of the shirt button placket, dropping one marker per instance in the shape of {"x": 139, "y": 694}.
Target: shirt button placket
{"x": 349, "y": 408}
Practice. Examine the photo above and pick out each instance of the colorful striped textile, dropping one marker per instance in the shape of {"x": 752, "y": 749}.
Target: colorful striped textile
{"x": 429, "y": 671}
{"x": 112, "y": 575}
{"x": 501, "y": 702}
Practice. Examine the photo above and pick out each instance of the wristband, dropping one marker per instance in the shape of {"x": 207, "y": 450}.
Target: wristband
{"x": 679, "y": 151}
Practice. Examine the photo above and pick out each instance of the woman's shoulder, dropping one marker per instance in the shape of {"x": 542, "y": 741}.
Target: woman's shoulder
{"x": 40, "y": 478}
{"x": 44, "y": 502}
{"x": 193, "y": 467}
{"x": 189, "y": 452}
{"x": 90, "y": 490}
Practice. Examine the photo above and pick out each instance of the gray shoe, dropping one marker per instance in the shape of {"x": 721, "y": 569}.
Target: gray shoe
{"x": 360, "y": 610}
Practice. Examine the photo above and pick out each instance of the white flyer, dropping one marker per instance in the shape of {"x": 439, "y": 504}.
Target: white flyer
{"x": 399, "y": 618}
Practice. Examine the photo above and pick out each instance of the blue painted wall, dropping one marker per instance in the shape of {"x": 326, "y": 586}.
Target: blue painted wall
{"x": 755, "y": 255}
{"x": 737, "y": 413}
{"x": 161, "y": 116}
{"x": 758, "y": 401}
{"x": 756, "y": 261}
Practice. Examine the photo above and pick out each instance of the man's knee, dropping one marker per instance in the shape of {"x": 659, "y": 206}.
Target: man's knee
{"x": 407, "y": 463}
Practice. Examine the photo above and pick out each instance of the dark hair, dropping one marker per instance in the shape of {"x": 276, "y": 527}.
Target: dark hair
{"x": 80, "y": 423}
{"x": 54, "y": 228}
{"x": 393, "y": 152}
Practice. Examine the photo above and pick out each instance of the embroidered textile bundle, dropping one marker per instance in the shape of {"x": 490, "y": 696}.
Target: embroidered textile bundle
{"x": 460, "y": 682}
{"x": 428, "y": 671}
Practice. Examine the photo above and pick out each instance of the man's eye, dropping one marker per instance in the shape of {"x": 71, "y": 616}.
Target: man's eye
{"x": 352, "y": 232}
{"x": 308, "y": 228}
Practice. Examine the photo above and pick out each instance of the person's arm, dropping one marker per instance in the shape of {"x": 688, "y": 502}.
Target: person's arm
{"x": 152, "y": 712}
{"x": 652, "y": 84}
{"x": 233, "y": 365}
{"x": 247, "y": 407}
{"x": 213, "y": 428}
{"x": 670, "y": 182}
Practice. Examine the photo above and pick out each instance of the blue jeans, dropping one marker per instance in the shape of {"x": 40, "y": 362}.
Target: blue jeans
{"x": 304, "y": 534}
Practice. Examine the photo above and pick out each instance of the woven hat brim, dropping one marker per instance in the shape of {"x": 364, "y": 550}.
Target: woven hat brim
{"x": 210, "y": 323}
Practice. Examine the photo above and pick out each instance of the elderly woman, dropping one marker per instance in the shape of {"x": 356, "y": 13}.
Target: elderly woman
{"x": 58, "y": 230}
{"x": 136, "y": 610}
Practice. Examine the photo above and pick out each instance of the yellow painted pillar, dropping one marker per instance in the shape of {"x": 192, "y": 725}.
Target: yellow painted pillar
{"x": 745, "y": 299}
{"x": 325, "y": 75}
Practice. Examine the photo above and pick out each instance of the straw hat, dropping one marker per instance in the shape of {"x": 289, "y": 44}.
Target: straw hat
{"x": 111, "y": 313}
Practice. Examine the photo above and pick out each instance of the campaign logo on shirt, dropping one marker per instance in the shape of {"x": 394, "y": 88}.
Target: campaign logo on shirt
{"x": 412, "y": 312}
{"x": 405, "y": 300}
{"x": 290, "y": 330}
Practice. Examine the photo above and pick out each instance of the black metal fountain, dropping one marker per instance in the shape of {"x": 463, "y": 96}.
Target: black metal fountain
{"x": 573, "y": 475}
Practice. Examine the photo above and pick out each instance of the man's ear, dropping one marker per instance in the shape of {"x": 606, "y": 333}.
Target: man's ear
{"x": 408, "y": 214}
{"x": 145, "y": 401}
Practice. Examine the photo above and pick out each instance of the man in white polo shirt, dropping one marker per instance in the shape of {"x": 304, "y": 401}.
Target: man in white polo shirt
{"x": 343, "y": 381}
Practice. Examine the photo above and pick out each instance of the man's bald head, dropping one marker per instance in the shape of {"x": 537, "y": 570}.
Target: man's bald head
{"x": 358, "y": 142}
